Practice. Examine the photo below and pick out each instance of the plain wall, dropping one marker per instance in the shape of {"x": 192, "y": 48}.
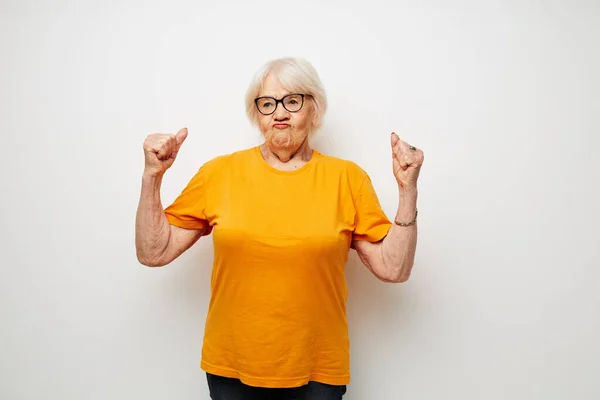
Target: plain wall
{"x": 502, "y": 96}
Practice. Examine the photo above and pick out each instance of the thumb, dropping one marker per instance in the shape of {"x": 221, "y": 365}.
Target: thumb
{"x": 394, "y": 139}
{"x": 181, "y": 135}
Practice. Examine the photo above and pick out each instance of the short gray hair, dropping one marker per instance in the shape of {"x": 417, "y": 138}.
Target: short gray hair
{"x": 296, "y": 75}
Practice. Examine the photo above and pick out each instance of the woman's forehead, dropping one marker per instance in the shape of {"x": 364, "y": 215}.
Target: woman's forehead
{"x": 271, "y": 87}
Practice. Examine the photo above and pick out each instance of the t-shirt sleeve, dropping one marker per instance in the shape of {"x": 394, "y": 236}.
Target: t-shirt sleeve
{"x": 371, "y": 222}
{"x": 189, "y": 208}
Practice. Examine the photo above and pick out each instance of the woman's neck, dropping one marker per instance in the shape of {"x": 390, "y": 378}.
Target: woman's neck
{"x": 286, "y": 159}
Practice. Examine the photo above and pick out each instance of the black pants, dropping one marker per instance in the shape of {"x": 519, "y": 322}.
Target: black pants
{"x": 222, "y": 388}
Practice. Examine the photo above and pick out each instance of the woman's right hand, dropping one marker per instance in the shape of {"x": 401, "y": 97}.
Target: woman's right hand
{"x": 160, "y": 151}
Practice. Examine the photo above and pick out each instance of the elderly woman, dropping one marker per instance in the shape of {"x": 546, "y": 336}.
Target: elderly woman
{"x": 284, "y": 217}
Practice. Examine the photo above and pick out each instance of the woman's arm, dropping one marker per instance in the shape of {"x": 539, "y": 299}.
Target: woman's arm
{"x": 157, "y": 242}
{"x": 392, "y": 259}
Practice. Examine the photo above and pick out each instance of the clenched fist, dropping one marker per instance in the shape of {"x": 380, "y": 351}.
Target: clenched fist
{"x": 406, "y": 162}
{"x": 160, "y": 151}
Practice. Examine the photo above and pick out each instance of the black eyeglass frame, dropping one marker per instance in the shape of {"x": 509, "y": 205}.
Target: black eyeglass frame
{"x": 279, "y": 101}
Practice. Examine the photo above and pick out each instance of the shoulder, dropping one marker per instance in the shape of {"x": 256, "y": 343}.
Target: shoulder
{"x": 342, "y": 166}
{"x": 225, "y": 161}
{"x": 213, "y": 169}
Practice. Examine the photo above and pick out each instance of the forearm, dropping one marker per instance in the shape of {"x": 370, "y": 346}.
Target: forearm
{"x": 399, "y": 246}
{"x": 152, "y": 229}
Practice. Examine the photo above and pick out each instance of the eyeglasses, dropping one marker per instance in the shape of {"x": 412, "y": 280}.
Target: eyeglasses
{"x": 291, "y": 102}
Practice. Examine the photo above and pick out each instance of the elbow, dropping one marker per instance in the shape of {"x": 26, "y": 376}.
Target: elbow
{"x": 396, "y": 279}
{"x": 147, "y": 261}
{"x": 151, "y": 264}
{"x": 395, "y": 269}
{"x": 402, "y": 276}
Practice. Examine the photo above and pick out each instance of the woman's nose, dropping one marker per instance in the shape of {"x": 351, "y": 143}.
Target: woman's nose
{"x": 281, "y": 113}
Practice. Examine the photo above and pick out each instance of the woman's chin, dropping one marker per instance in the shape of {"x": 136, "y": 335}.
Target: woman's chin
{"x": 281, "y": 139}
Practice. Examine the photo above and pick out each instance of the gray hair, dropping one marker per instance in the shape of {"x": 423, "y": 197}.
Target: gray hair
{"x": 296, "y": 75}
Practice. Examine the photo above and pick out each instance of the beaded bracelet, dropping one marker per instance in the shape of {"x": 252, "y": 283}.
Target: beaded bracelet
{"x": 414, "y": 221}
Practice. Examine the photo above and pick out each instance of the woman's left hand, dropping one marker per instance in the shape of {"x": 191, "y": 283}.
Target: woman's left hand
{"x": 407, "y": 161}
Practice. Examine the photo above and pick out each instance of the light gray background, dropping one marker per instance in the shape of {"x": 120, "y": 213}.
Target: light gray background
{"x": 502, "y": 96}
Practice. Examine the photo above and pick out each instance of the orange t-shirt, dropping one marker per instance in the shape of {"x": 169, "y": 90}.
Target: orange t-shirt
{"x": 277, "y": 313}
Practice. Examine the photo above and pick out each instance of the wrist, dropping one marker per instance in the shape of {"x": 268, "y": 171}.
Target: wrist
{"x": 408, "y": 191}
{"x": 149, "y": 174}
{"x": 407, "y": 204}
{"x": 152, "y": 179}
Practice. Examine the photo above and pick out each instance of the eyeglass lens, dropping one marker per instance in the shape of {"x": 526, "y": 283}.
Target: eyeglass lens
{"x": 291, "y": 102}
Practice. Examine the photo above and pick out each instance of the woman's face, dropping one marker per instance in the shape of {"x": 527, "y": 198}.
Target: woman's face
{"x": 284, "y": 130}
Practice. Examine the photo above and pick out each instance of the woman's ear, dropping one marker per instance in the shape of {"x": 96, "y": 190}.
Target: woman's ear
{"x": 315, "y": 114}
